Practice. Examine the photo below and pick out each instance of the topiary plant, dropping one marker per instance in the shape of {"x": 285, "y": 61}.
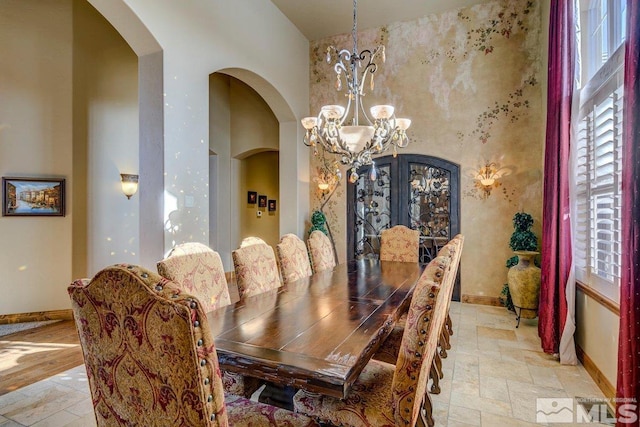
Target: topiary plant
{"x": 522, "y": 239}
{"x": 318, "y": 222}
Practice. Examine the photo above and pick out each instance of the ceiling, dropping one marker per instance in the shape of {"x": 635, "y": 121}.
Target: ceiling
{"x": 317, "y": 19}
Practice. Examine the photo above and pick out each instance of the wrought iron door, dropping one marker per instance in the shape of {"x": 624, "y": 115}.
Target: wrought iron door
{"x": 420, "y": 192}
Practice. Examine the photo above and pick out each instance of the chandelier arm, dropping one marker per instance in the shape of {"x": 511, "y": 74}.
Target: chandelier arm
{"x": 346, "y": 111}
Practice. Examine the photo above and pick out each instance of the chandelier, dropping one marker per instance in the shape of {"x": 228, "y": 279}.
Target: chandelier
{"x": 339, "y": 130}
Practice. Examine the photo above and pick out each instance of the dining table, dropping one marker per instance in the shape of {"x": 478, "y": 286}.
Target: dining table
{"x": 316, "y": 333}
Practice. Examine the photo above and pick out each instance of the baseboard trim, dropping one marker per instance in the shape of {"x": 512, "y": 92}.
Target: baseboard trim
{"x": 482, "y": 300}
{"x": 38, "y": 316}
{"x": 601, "y": 381}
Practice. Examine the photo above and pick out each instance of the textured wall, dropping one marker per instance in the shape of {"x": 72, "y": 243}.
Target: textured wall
{"x": 470, "y": 81}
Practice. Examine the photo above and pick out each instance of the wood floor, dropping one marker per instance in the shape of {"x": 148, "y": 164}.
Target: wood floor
{"x": 32, "y": 355}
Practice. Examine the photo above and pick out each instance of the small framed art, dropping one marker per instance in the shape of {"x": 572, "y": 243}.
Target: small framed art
{"x": 252, "y": 197}
{"x": 262, "y": 201}
{"x": 32, "y": 196}
{"x": 272, "y": 205}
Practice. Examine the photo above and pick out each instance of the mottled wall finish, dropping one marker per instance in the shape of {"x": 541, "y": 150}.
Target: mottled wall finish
{"x": 470, "y": 81}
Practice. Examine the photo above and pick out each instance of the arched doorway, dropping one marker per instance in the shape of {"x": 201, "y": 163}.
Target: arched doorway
{"x": 418, "y": 191}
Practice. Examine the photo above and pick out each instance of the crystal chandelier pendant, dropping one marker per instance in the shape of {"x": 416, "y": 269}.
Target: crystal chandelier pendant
{"x": 373, "y": 173}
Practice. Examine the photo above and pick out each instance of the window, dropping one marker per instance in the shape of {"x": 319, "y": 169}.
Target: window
{"x": 597, "y": 146}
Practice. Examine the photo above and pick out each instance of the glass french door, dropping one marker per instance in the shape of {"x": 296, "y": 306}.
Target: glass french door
{"x": 418, "y": 191}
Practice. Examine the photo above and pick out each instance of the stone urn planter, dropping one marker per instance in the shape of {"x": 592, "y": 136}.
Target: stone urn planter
{"x": 524, "y": 285}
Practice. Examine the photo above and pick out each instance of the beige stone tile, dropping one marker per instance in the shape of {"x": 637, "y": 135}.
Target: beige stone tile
{"x": 511, "y": 354}
{"x": 464, "y": 415}
{"x": 5, "y": 422}
{"x": 454, "y": 308}
{"x": 466, "y": 373}
{"x": 492, "y": 420}
{"x": 544, "y": 376}
{"x": 540, "y": 358}
{"x": 489, "y": 309}
{"x": 453, "y": 423}
{"x": 11, "y": 398}
{"x": 440, "y": 414}
{"x": 481, "y": 404}
{"x": 524, "y": 397}
{"x": 469, "y": 309}
{"x": 88, "y": 420}
{"x": 75, "y": 379}
{"x": 81, "y": 408}
{"x": 504, "y": 369}
{"x": 465, "y": 387}
{"x": 46, "y": 402}
{"x": 494, "y": 388}
{"x": 59, "y": 419}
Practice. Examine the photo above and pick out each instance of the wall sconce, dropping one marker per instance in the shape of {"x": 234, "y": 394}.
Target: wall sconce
{"x": 328, "y": 176}
{"x": 129, "y": 184}
{"x": 487, "y": 178}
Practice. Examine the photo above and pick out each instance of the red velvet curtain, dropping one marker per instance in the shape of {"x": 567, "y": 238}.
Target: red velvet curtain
{"x": 628, "y": 384}
{"x": 556, "y": 232}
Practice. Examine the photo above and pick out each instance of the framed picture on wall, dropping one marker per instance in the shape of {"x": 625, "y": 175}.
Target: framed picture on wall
{"x": 262, "y": 201}
{"x": 252, "y": 197}
{"x": 272, "y": 205}
{"x": 32, "y": 196}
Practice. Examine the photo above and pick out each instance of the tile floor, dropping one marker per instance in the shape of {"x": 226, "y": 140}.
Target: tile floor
{"x": 492, "y": 377}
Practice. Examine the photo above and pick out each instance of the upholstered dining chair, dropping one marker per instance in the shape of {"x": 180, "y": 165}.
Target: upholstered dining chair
{"x": 390, "y": 347}
{"x": 198, "y": 270}
{"x": 150, "y": 356}
{"x": 256, "y": 269}
{"x": 320, "y": 251}
{"x": 251, "y": 240}
{"x": 293, "y": 258}
{"x": 399, "y": 243}
{"x": 385, "y": 395}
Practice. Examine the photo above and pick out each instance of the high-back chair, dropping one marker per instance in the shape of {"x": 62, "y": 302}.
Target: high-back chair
{"x": 320, "y": 251}
{"x": 383, "y": 394}
{"x": 150, "y": 357}
{"x": 256, "y": 269}
{"x": 251, "y": 240}
{"x": 198, "y": 270}
{"x": 390, "y": 347}
{"x": 293, "y": 258}
{"x": 399, "y": 243}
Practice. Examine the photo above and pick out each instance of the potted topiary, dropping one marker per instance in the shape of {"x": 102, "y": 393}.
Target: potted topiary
{"x": 523, "y": 275}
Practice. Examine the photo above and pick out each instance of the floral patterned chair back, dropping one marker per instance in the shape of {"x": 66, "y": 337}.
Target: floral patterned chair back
{"x": 293, "y": 258}
{"x": 399, "y": 243}
{"x": 148, "y": 351}
{"x": 419, "y": 343}
{"x": 248, "y": 241}
{"x": 198, "y": 270}
{"x": 435, "y": 271}
{"x": 320, "y": 251}
{"x": 256, "y": 269}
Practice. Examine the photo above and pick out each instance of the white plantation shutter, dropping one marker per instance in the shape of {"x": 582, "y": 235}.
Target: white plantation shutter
{"x": 598, "y": 167}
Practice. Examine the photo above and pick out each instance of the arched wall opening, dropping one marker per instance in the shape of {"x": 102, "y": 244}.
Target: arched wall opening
{"x": 244, "y": 137}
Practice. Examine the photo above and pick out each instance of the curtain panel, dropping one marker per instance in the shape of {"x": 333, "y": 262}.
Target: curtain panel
{"x": 629, "y": 340}
{"x": 556, "y": 318}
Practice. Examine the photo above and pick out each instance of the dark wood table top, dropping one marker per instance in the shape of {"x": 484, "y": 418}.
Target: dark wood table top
{"x": 317, "y": 333}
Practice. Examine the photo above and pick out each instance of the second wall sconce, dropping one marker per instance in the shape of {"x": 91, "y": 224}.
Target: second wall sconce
{"x": 129, "y": 184}
{"x": 488, "y": 176}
